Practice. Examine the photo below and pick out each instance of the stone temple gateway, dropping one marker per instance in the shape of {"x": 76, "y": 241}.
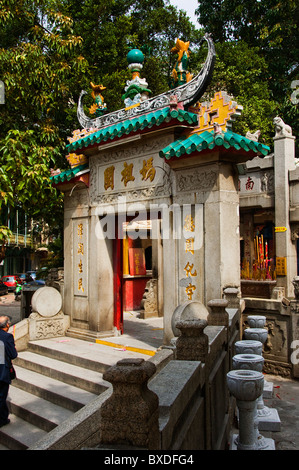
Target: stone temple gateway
{"x": 151, "y": 202}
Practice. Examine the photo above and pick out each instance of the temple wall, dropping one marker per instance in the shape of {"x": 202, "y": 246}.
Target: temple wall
{"x": 198, "y": 206}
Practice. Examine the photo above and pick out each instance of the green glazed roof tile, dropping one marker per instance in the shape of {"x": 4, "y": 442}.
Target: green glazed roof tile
{"x": 207, "y": 140}
{"x": 132, "y": 125}
{"x": 67, "y": 175}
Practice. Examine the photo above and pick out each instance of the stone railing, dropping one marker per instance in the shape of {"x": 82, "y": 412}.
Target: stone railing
{"x": 183, "y": 405}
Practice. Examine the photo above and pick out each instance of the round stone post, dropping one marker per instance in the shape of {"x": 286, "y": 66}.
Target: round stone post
{"x": 257, "y": 334}
{"x": 130, "y": 416}
{"x": 248, "y": 347}
{"x": 268, "y": 417}
{"x": 246, "y": 386}
{"x": 254, "y": 362}
{"x": 256, "y": 321}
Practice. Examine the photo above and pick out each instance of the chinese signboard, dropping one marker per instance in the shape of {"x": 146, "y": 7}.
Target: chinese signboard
{"x": 137, "y": 261}
{"x": 191, "y": 255}
{"x": 281, "y": 266}
{"x": 137, "y": 173}
{"x": 80, "y": 256}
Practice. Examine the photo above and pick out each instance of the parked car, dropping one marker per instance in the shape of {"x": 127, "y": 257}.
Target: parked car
{"x": 3, "y": 288}
{"x": 32, "y": 274}
{"x": 22, "y": 276}
{"x": 11, "y": 281}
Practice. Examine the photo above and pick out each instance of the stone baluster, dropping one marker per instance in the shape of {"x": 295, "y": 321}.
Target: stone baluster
{"x": 248, "y": 347}
{"x": 130, "y": 415}
{"x": 232, "y": 295}
{"x": 254, "y": 362}
{"x": 246, "y": 386}
{"x": 268, "y": 417}
{"x": 193, "y": 343}
{"x": 218, "y": 315}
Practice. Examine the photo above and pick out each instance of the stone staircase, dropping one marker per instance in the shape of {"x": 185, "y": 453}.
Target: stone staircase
{"x": 55, "y": 378}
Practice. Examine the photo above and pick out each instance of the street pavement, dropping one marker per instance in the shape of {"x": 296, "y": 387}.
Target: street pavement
{"x": 10, "y": 307}
{"x": 148, "y": 335}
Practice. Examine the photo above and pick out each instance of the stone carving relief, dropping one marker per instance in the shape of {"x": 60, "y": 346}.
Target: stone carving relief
{"x": 196, "y": 179}
{"x": 295, "y": 232}
{"x": 47, "y": 328}
{"x": 131, "y": 151}
{"x": 276, "y": 340}
{"x": 267, "y": 182}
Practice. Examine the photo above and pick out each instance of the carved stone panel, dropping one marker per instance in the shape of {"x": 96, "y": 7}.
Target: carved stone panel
{"x": 196, "y": 179}
{"x": 136, "y": 172}
{"x": 256, "y": 183}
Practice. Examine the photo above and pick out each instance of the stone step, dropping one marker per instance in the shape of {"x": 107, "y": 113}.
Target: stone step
{"x": 36, "y": 410}
{"x": 55, "y": 378}
{"x": 90, "y": 355}
{"x": 19, "y": 434}
{"x": 55, "y": 391}
{"x": 86, "y": 379}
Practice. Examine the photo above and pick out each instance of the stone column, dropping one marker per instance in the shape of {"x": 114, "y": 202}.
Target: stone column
{"x": 254, "y": 362}
{"x": 248, "y": 347}
{"x": 222, "y": 238}
{"x": 246, "y": 386}
{"x": 131, "y": 415}
{"x": 268, "y": 417}
{"x": 284, "y": 161}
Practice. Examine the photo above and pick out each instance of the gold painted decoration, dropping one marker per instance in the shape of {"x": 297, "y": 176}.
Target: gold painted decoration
{"x": 281, "y": 266}
{"x": 189, "y": 224}
{"x": 221, "y": 111}
{"x": 109, "y": 177}
{"x": 148, "y": 171}
{"x": 127, "y": 173}
{"x": 75, "y": 160}
{"x": 189, "y": 245}
{"x": 99, "y": 107}
{"x": 190, "y": 290}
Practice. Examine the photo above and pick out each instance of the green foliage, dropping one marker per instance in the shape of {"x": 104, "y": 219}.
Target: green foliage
{"x": 40, "y": 60}
{"x": 269, "y": 28}
{"x": 5, "y": 234}
{"x": 240, "y": 71}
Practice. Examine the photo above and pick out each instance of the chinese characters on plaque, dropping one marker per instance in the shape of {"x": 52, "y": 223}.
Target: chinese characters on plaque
{"x": 190, "y": 271}
{"x": 191, "y": 254}
{"x": 119, "y": 175}
{"x": 80, "y": 256}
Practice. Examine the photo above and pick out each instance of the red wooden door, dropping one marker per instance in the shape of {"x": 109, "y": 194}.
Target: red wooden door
{"x": 118, "y": 281}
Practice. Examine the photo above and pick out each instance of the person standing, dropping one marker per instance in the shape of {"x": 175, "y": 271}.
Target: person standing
{"x": 7, "y": 353}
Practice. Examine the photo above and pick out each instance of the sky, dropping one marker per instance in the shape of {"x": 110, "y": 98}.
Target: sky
{"x": 189, "y": 6}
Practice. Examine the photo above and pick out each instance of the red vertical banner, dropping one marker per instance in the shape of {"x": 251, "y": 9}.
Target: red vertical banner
{"x": 118, "y": 281}
{"x": 137, "y": 261}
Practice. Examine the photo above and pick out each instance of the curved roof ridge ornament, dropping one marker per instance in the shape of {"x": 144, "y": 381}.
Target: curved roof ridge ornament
{"x": 187, "y": 94}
